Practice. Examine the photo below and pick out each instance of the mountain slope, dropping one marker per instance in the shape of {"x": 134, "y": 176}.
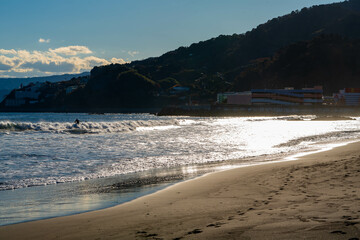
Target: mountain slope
{"x": 212, "y": 66}
{"x": 238, "y": 62}
{"x": 328, "y": 60}
{"x": 228, "y": 54}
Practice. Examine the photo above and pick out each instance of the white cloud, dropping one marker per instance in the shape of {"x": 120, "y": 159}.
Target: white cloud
{"x": 7, "y": 52}
{"x": 118, "y": 60}
{"x": 54, "y": 61}
{"x": 4, "y": 60}
{"x": 71, "y": 50}
{"x": 133, "y": 53}
{"x": 42, "y": 40}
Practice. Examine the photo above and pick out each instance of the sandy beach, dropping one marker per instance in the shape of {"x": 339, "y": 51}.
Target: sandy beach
{"x": 315, "y": 197}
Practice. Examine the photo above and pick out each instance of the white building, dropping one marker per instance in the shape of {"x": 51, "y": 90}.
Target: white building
{"x": 348, "y": 97}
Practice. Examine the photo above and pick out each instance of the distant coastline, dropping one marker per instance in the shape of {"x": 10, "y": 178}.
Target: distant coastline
{"x": 82, "y": 110}
{"x": 259, "y": 110}
{"x": 210, "y": 110}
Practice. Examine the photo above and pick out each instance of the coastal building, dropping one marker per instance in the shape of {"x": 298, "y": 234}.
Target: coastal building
{"x": 288, "y": 96}
{"x": 28, "y": 94}
{"x": 348, "y": 97}
{"x": 222, "y": 97}
{"x": 235, "y": 98}
{"x": 241, "y": 98}
{"x": 328, "y": 100}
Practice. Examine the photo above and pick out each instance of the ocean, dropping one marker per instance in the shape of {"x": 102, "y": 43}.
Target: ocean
{"x": 50, "y": 166}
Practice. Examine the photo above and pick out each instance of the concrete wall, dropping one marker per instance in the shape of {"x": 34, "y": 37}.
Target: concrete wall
{"x": 239, "y": 99}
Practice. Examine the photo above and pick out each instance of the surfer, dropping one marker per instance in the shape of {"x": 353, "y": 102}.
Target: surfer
{"x": 77, "y": 121}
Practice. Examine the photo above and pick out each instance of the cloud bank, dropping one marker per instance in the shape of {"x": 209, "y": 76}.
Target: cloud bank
{"x": 70, "y": 59}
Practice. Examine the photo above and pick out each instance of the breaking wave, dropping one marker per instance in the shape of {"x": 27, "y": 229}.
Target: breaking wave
{"x": 336, "y": 135}
{"x": 86, "y": 127}
{"x": 285, "y": 118}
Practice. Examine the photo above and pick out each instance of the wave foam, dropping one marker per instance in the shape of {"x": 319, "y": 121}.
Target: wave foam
{"x": 336, "y": 135}
{"x": 285, "y": 118}
{"x": 84, "y": 127}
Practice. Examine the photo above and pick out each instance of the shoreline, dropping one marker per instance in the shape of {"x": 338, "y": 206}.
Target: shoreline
{"x": 160, "y": 181}
{"x": 237, "y": 203}
{"x": 206, "y": 110}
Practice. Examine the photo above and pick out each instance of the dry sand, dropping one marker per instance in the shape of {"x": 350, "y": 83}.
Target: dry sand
{"x": 316, "y": 197}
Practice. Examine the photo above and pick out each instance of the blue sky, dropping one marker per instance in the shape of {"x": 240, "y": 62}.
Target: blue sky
{"x": 48, "y": 37}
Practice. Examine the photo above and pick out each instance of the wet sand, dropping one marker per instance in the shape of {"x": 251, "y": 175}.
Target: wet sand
{"x": 316, "y": 197}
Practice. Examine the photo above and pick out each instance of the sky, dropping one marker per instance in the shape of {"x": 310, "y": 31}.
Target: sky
{"x": 52, "y": 37}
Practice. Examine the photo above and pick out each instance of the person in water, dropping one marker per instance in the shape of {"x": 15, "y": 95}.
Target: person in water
{"x": 77, "y": 121}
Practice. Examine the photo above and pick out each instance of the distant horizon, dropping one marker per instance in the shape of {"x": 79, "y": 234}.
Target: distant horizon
{"x": 62, "y": 74}
{"x": 45, "y": 38}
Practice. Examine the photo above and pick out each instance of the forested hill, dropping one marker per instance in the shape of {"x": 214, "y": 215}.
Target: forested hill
{"x": 211, "y": 66}
{"x": 218, "y": 64}
{"x": 332, "y": 61}
{"x": 229, "y": 54}
{"x": 312, "y": 41}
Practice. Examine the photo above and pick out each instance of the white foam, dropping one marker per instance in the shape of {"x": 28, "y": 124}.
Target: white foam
{"x": 49, "y": 152}
{"x": 87, "y": 127}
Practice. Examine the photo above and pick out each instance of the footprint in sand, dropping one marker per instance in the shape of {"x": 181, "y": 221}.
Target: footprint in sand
{"x": 215, "y": 225}
{"x": 195, "y": 231}
{"x": 338, "y": 232}
{"x": 240, "y": 213}
{"x": 146, "y": 234}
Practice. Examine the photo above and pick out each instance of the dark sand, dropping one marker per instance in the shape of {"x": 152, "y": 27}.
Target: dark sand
{"x": 316, "y": 197}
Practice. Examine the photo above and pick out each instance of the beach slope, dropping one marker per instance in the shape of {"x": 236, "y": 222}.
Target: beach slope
{"x": 315, "y": 197}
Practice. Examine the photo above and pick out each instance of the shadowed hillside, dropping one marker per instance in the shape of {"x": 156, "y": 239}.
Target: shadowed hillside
{"x": 328, "y": 60}
{"x": 229, "y": 54}
{"x": 212, "y": 66}
{"x": 319, "y": 46}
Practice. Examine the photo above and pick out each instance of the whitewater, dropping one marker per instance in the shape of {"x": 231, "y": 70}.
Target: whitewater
{"x": 48, "y": 162}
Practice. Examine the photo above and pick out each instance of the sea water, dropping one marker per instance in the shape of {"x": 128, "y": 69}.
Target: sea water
{"x": 50, "y": 166}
